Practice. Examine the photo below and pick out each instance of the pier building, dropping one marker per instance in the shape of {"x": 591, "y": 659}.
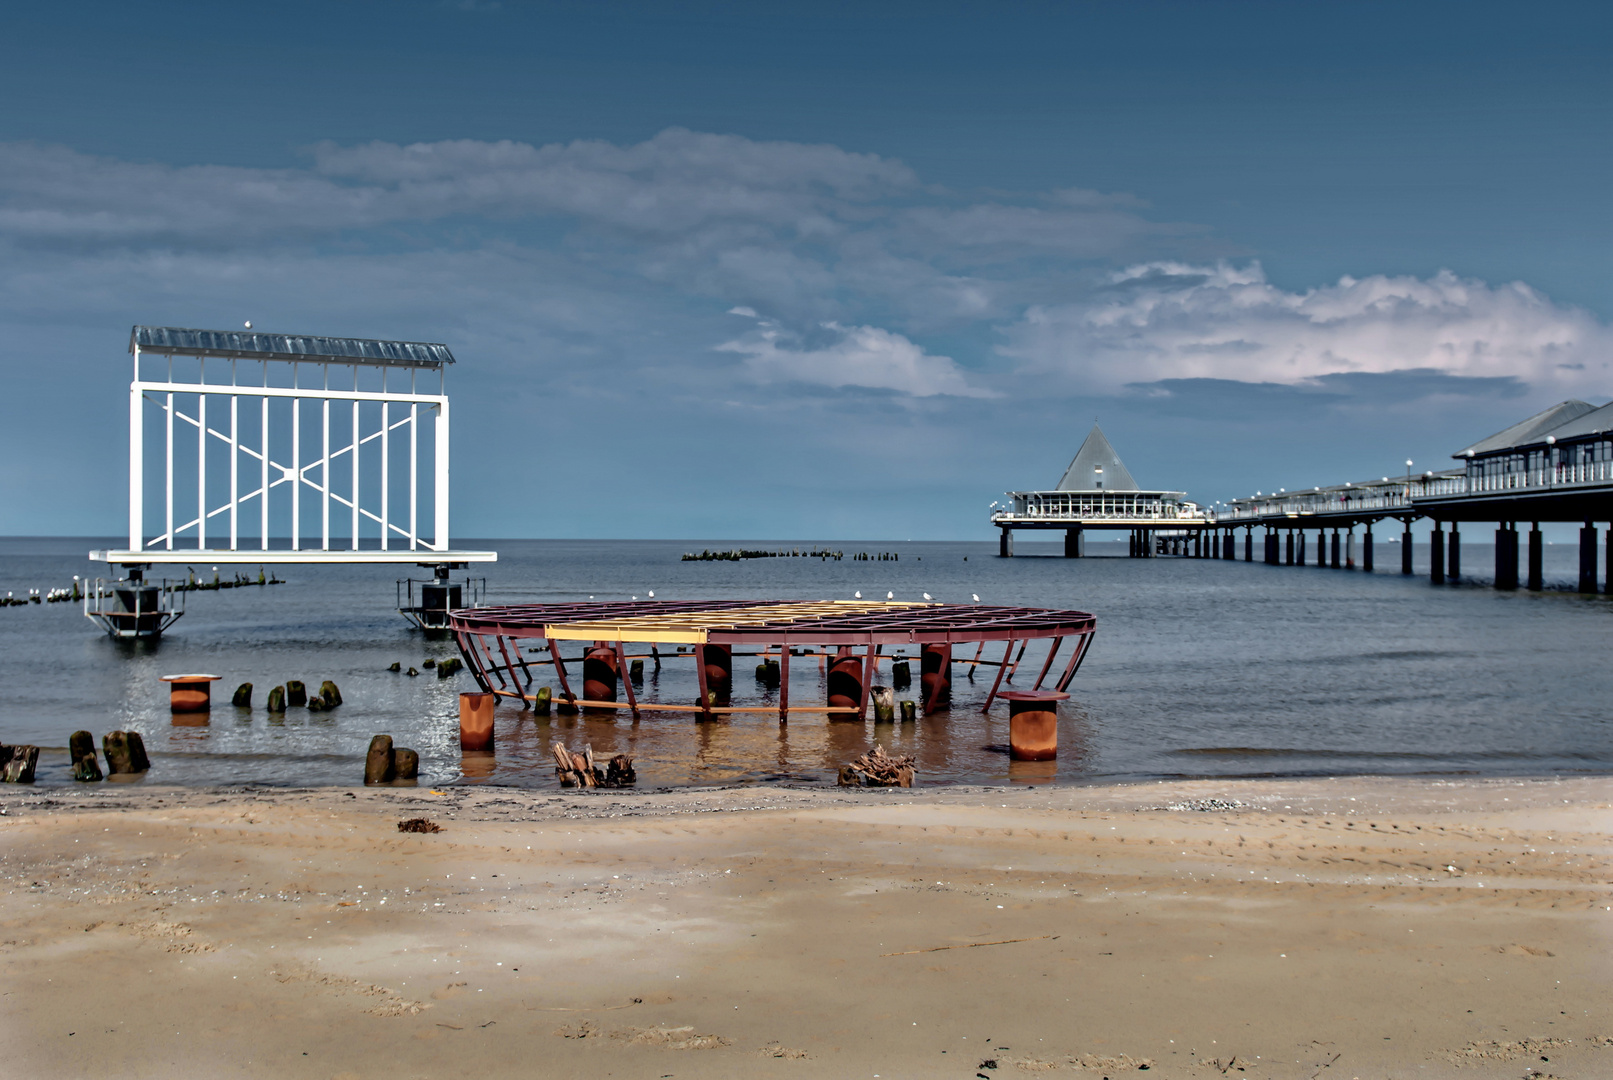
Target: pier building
{"x": 1097, "y": 492}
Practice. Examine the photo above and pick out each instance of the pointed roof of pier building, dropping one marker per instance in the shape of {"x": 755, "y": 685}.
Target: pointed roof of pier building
{"x": 1591, "y": 422}
{"x": 1097, "y": 467}
{"x": 1532, "y": 430}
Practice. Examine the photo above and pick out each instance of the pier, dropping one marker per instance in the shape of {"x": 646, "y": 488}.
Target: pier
{"x": 1555, "y": 466}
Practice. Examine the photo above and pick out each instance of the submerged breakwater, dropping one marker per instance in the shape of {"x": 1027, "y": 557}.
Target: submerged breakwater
{"x": 1200, "y": 668}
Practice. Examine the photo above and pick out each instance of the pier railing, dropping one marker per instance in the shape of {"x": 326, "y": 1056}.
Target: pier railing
{"x": 1081, "y": 508}
{"x": 1387, "y": 497}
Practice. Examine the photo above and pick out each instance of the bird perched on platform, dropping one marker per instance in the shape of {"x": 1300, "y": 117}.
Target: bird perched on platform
{"x": 926, "y": 596}
{"x": 976, "y": 597}
{"x": 890, "y": 596}
{"x": 652, "y": 594}
{"x": 858, "y": 595}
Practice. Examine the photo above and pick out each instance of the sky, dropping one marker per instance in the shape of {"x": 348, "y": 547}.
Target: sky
{"x": 819, "y": 271}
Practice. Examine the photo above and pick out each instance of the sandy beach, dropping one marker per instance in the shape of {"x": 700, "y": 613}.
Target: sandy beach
{"x": 1316, "y": 929}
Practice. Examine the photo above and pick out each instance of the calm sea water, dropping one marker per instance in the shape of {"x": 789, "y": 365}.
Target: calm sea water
{"x": 1201, "y": 668}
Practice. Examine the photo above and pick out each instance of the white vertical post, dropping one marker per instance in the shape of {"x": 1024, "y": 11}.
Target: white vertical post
{"x": 235, "y": 470}
{"x": 201, "y": 470}
{"x": 263, "y": 445}
{"x": 355, "y": 462}
{"x": 414, "y": 475}
{"x": 296, "y": 474}
{"x": 168, "y": 484}
{"x": 439, "y": 493}
{"x": 386, "y": 459}
{"x": 137, "y": 460}
{"x": 324, "y": 480}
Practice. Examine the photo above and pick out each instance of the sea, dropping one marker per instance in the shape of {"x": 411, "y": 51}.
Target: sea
{"x": 1200, "y": 668}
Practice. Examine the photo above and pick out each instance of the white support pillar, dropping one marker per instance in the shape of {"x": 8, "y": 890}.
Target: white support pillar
{"x": 263, "y": 490}
{"x": 137, "y": 461}
{"x": 439, "y": 491}
{"x": 324, "y": 479}
{"x": 235, "y": 470}
{"x": 386, "y": 461}
{"x": 414, "y": 474}
{"x": 201, "y": 469}
{"x": 354, "y": 452}
{"x": 296, "y": 474}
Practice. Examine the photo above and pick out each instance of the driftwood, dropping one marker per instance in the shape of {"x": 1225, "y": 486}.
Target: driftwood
{"x": 879, "y": 769}
{"x": 579, "y": 770}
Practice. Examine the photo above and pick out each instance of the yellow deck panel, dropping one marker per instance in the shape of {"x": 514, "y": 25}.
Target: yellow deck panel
{"x": 693, "y": 627}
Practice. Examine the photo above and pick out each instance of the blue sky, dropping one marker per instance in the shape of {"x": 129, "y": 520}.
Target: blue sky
{"x": 820, "y": 270}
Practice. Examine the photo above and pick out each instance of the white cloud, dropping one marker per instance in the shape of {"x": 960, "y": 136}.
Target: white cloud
{"x": 1169, "y": 320}
{"x": 860, "y": 356}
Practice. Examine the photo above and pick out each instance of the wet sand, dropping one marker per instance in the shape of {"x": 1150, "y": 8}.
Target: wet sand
{"x": 1307, "y": 929}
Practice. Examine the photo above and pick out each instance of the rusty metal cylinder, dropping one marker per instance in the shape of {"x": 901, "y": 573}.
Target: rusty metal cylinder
{"x": 599, "y": 674}
{"x": 936, "y": 680}
{"x": 845, "y": 684}
{"x": 476, "y": 720}
{"x": 190, "y": 693}
{"x": 719, "y": 664}
{"x": 1033, "y": 724}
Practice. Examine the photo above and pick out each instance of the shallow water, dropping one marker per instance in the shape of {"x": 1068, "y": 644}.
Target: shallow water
{"x": 1200, "y": 668}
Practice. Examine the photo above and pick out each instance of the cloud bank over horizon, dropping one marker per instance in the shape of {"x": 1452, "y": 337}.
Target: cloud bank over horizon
{"x": 587, "y": 273}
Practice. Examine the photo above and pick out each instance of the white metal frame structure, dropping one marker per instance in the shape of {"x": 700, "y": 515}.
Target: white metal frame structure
{"x": 283, "y": 444}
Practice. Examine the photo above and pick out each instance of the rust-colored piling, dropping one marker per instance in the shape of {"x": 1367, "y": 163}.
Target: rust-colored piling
{"x": 1033, "y": 723}
{"x": 476, "y": 720}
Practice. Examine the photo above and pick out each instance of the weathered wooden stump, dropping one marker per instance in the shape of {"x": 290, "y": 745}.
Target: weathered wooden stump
{"x": 449, "y": 667}
{"x": 429, "y": 664}
{"x": 81, "y": 749}
{"x": 316, "y": 704}
{"x": 635, "y": 671}
{"x": 884, "y": 699}
{"x": 412, "y": 671}
{"x": 19, "y": 762}
{"x": 277, "y": 699}
{"x": 406, "y": 764}
{"x": 125, "y": 753}
{"x": 243, "y": 696}
{"x": 380, "y": 764}
{"x": 328, "y": 693}
{"x": 396, "y": 666}
{"x": 901, "y": 675}
{"x": 296, "y": 694}
{"x": 910, "y": 711}
{"x": 540, "y": 706}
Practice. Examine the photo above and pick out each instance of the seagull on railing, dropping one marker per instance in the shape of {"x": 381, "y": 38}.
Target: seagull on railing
{"x": 652, "y": 594}
{"x": 976, "y": 597}
{"x": 890, "y": 596}
{"x": 858, "y": 595}
{"x": 926, "y": 596}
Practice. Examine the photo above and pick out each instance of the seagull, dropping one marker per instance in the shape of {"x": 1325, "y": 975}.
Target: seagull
{"x": 976, "y": 597}
{"x": 890, "y": 596}
{"x": 858, "y": 595}
{"x": 652, "y": 594}
{"x": 635, "y": 598}
{"x": 926, "y": 596}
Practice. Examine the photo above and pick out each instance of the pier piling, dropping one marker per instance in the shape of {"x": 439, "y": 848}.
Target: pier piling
{"x": 1406, "y": 551}
{"x": 1537, "y": 579}
{"x": 1453, "y": 565}
{"x": 1436, "y": 555}
{"x": 1506, "y": 556}
{"x": 1587, "y": 558}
